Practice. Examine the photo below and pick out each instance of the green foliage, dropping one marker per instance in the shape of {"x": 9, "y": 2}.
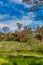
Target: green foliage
{"x": 39, "y": 37}
{"x": 31, "y": 41}
{"x": 5, "y": 62}
{"x": 11, "y": 37}
{"x": 26, "y": 60}
{"x": 40, "y": 48}
{"x": 8, "y": 37}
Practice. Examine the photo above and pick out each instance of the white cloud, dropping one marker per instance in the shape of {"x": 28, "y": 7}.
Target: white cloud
{"x": 2, "y": 24}
{"x": 12, "y": 24}
{"x": 4, "y": 16}
{"x": 18, "y": 1}
{"x": 40, "y": 23}
{"x": 31, "y": 14}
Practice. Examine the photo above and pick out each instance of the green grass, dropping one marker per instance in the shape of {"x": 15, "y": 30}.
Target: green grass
{"x": 21, "y": 60}
{"x": 4, "y": 61}
{"x": 12, "y": 43}
{"x": 9, "y": 54}
{"x": 6, "y": 45}
{"x": 9, "y": 43}
{"x": 16, "y": 48}
{"x": 13, "y": 46}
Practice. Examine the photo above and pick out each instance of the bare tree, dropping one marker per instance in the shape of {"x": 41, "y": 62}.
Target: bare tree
{"x": 19, "y": 26}
{"x": 6, "y": 29}
{"x": 26, "y": 1}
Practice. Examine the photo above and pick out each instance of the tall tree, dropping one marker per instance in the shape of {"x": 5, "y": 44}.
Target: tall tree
{"x": 26, "y": 1}
{"x": 6, "y": 29}
{"x": 42, "y": 30}
{"x": 19, "y": 33}
{"x": 19, "y": 26}
{"x": 38, "y": 30}
{"x": 39, "y": 33}
{"x": 28, "y": 30}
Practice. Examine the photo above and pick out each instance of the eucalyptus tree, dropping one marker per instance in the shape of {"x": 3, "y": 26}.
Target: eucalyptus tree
{"x": 6, "y": 29}
{"x": 19, "y": 26}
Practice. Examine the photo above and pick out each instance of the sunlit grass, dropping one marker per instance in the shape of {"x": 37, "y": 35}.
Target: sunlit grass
{"x": 17, "y": 48}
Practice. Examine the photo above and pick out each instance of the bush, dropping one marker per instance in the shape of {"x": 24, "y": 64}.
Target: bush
{"x": 40, "y": 48}
{"x": 11, "y": 37}
{"x": 33, "y": 43}
{"x": 39, "y": 37}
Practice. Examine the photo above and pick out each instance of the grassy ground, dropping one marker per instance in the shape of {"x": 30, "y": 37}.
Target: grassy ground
{"x": 21, "y": 60}
{"x": 9, "y": 54}
{"x": 16, "y": 48}
{"x": 8, "y": 46}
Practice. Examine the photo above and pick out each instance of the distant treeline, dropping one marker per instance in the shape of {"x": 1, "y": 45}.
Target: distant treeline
{"x": 22, "y": 35}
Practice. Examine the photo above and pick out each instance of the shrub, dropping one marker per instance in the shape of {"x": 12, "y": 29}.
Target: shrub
{"x": 40, "y": 48}
{"x": 39, "y": 37}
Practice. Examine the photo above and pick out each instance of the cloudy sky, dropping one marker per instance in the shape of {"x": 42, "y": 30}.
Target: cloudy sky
{"x": 13, "y": 11}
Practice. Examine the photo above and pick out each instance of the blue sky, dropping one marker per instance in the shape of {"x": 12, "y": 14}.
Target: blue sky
{"x": 13, "y": 11}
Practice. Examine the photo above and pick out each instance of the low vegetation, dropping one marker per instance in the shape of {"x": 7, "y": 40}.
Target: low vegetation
{"x": 21, "y": 60}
